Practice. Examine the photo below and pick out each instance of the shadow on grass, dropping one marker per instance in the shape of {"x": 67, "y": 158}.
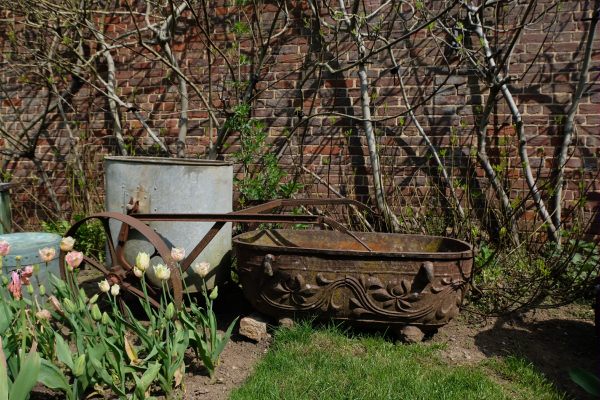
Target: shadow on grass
{"x": 553, "y": 346}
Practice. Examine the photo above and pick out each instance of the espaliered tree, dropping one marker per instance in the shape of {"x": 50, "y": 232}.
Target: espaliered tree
{"x": 70, "y": 55}
{"x": 477, "y": 36}
{"x": 482, "y": 40}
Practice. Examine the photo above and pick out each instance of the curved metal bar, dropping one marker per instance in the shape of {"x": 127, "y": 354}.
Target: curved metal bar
{"x": 153, "y": 238}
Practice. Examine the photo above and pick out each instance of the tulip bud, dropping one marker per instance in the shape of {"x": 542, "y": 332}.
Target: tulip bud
{"x": 42, "y": 290}
{"x": 79, "y": 366}
{"x": 36, "y": 268}
{"x": 69, "y": 306}
{"x": 105, "y": 318}
{"x": 96, "y": 314}
{"x": 94, "y": 299}
{"x": 30, "y": 289}
{"x": 170, "y": 312}
{"x": 214, "y": 293}
{"x": 178, "y": 325}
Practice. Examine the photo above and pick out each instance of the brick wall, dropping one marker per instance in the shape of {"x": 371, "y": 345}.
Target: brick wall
{"x": 303, "y": 104}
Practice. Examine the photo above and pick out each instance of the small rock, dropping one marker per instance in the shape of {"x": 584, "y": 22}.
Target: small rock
{"x": 410, "y": 334}
{"x": 286, "y": 323}
{"x": 254, "y": 327}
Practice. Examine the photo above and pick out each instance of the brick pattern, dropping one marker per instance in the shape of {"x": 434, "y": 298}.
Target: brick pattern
{"x": 296, "y": 102}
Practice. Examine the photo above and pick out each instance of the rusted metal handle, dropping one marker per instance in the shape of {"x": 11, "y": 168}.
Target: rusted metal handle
{"x": 429, "y": 272}
{"x": 267, "y": 264}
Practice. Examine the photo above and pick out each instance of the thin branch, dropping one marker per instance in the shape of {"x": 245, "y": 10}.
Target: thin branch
{"x": 570, "y": 117}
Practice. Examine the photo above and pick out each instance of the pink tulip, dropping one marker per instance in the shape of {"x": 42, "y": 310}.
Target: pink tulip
{"x": 26, "y": 273}
{"x": 178, "y": 254}
{"x": 14, "y": 287}
{"x": 74, "y": 258}
{"x": 4, "y": 248}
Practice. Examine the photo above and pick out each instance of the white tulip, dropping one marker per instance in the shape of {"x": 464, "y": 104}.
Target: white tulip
{"x": 201, "y": 268}
{"x": 162, "y": 272}
{"x": 104, "y": 286}
{"x": 142, "y": 261}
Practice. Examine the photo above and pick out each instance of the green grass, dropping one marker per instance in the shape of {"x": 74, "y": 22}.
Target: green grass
{"x": 304, "y": 363}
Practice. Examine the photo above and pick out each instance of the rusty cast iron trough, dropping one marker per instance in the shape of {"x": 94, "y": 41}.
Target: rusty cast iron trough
{"x": 402, "y": 280}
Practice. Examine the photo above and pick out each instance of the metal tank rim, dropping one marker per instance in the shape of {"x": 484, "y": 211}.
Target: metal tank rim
{"x": 452, "y": 255}
{"x": 168, "y": 161}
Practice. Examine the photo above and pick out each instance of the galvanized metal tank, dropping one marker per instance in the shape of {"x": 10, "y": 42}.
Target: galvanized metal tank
{"x": 5, "y": 217}
{"x": 26, "y": 245}
{"x": 174, "y": 185}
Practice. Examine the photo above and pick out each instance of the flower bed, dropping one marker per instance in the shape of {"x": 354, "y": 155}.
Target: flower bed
{"x": 79, "y": 345}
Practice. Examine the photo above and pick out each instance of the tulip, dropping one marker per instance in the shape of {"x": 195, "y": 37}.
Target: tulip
{"x": 47, "y": 254}
{"x": 26, "y": 273}
{"x": 94, "y": 299}
{"x": 138, "y": 272}
{"x": 114, "y": 290}
{"x": 104, "y": 286}
{"x": 74, "y": 259}
{"x": 4, "y": 248}
{"x": 67, "y": 243}
{"x": 42, "y": 290}
{"x": 105, "y": 318}
{"x": 162, "y": 272}
{"x": 142, "y": 261}
{"x": 201, "y": 269}
{"x": 177, "y": 254}
{"x": 14, "y": 287}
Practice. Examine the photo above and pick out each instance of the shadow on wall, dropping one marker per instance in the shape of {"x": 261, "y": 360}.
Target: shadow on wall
{"x": 553, "y": 346}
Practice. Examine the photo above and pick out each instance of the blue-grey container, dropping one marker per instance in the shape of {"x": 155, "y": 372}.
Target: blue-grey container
{"x": 5, "y": 217}
{"x": 174, "y": 185}
{"x": 27, "y": 245}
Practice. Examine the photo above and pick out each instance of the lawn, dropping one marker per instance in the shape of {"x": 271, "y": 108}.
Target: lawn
{"x": 327, "y": 363}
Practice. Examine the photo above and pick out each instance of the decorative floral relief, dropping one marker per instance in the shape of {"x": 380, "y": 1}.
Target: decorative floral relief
{"x": 367, "y": 297}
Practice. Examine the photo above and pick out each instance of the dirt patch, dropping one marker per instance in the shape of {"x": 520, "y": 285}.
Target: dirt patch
{"x": 554, "y": 341}
{"x": 237, "y": 363}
